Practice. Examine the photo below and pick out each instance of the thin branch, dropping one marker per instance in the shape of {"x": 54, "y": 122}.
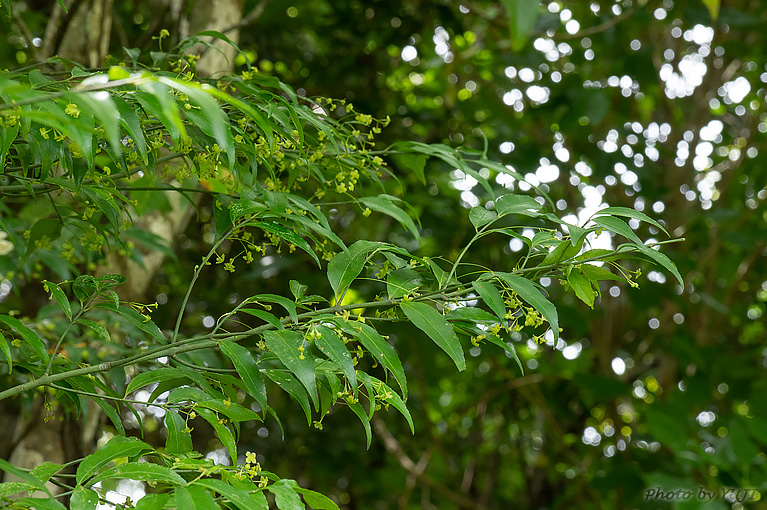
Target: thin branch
{"x": 41, "y": 188}
{"x": 210, "y": 340}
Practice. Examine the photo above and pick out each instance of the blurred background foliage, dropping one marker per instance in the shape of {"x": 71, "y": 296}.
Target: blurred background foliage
{"x": 654, "y": 105}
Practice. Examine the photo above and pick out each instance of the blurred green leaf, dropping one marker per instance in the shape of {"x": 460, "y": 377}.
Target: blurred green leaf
{"x": 523, "y": 15}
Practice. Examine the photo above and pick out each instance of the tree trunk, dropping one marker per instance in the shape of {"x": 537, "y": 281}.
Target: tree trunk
{"x": 221, "y": 15}
{"x": 82, "y": 35}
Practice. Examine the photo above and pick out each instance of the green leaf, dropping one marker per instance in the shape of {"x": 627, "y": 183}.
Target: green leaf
{"x": 221, "y": 217}
{"x": 491, "y": 296}
{"x": 473, "y": 315}
{"x": 479, "y": 216}
{"x": 334, "y": 348}
{"x": 83, "y": 499}
{"x": 508, "y": 348}
{"x": 178, "y": 441}
{"x": 402, "y": 282}
{"x": 288, "y": 383}
{"x": 222, "y": 37}
{"x": 285, "y": 496}
{"x": 530, "y": 293}
{"x": 101, "y": 106}
{"x": 130, "y": 122}
{"x": 381, "y": 350}
{"x": 523, "y": 14}
{"x": 581, "y": 285}
{"x": 248, "y": 370}
{"x": 39, "y": 504}
{"x": 160, "y": 374}
{"x": 517, "y": 204}
{"x": 357, "y": 408}
{"x": 222, "y": 431}
{"x": 215, "y": 122}
{"x": 297, "y": 289}
{"x": 47, "y": 150}
{"x": 597, "y": 273}
{"x": 83, "y": 383}
{"x": 239, "y": 497}
{"x": 150, "y": 240}
{"x": 194, "y": 497}
{"x": 7, "y": 352}
{"x": 156, "y": 99}
{"x": 434, "y": 324}
{"x": 245, "y": 207}
{"x": 260, "y": 501}
{"x": 576, "y": 234}
{"x": 385, "y": 204}
{"x": 286, "y": 303}
{"x": 288, "y": 235}
{"x": 118, "y": 446}
{"x": 316, "y": 500}
{"x": 7, "y": 136}
{"x": 630, "y": 213}
{"x": 97, "y": 328}
{"x": 46, "y": 470}
{"x": 115, "y": 73}
{"x": 713, "y": 8}
{"x": 564, "y": 251}
{"x": 285, "y": 344}
{"x": 619, "y": 227}
{"x": 23, "y": 475}
{"x": 590, "y": 254}
{"x": 346, "y": 266}
{"x": 264, "y": 316}
{"x": 235, "y": 412}
{"x": 663, "y": 260}
{"x": 140, "y": 322}
{"x": 43, "y": 229}
{"x": 84, "y": 287}
{"x": 388, "y": 395}
{"x": 152, "y": 502}
{"x": 28, "y": 335}
{"x": 10, "y": 488}
{"x": 263, "y": 124}
{"x": 440, "y": 274}
{"x": 667, "y": 429}
{"x": 414, "y": 162}
{"x": 317, "y": 227}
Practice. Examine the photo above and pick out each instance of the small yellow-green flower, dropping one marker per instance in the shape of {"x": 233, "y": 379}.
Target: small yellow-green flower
{"x": 72, "y": 110}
